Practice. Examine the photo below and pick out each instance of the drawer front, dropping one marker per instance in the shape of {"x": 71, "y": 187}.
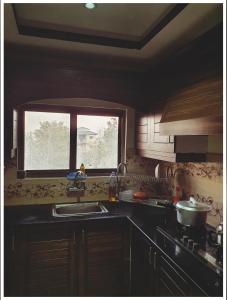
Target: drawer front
{"x": 172, "y": 279}
{"x": 173, "y": 282}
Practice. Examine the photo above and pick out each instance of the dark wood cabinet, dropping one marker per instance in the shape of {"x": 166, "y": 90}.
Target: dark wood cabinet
{"x": 62, "y": 260}
{"x": 143, "y": 271}
{"x": 42, "y": 262}
{"x": 195, "y": 109}
{"x": 171, "y": 148}
{"x": 153, "y": 274}
{"x": 172, "y": 282}
{"x": 106, "y": 261}
{"x": 95, "y": 258}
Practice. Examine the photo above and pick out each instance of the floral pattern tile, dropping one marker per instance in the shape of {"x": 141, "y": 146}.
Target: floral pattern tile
{"x": 41, "y": 189}
{"x": 204, "y": 170}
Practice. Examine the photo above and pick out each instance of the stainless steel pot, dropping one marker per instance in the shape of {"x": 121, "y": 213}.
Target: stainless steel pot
{"x": 192, "y": 212}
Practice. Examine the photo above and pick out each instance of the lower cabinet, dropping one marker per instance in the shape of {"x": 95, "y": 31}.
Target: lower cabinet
{"x": 143, "y": 270}
{"x": 90, "y": 259}
{"x": 42, "y": 260}
{"x": 153, "y": 274}
{"x": 106, "y": 261}
{"x": 172, "y": 282}
{"x": 61, "y": 260}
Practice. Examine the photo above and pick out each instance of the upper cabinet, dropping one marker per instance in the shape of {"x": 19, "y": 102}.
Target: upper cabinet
{"x": 182, "y": 119}
{"x": 194, "y": 110}
{"x": 186, "y": 127}
{"x": 171, "y": 148}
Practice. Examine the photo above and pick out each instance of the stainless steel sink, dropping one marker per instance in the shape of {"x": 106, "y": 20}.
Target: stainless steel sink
{"x": 78, "y": 209}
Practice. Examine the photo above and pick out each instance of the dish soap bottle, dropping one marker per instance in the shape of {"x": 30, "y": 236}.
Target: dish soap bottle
{"x": 82, "y": 169}
{"x": 113, "y": 187}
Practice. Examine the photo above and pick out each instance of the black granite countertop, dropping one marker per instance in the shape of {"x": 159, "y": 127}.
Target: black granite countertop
{"x": 143, "y": 217}
{"x": 41, "y": 214}
{"x": 35, "y": 214}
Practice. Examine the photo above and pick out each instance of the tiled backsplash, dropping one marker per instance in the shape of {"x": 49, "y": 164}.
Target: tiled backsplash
{"x": 203, "y": 180}
{"x": 140, "y": 165}
{"x": 38, "y": 190}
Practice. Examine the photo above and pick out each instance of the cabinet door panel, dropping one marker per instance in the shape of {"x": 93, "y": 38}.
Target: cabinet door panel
{"x": 173, "y": 282}
{"x": 10, "y": 263}
{"x": 49, "y": 262}
{"x": 143, "y": 274}
{"x": 165, "y": 291}
{"x": 160, "y": 138}
{"x": 173, "y": 286}
{"x": 171, "y": 279}
{"x": 104, "y": 263}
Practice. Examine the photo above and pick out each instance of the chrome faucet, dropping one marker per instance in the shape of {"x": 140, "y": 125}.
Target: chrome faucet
{"x": 119, "y": 166}
{"x": 117, "y": 175}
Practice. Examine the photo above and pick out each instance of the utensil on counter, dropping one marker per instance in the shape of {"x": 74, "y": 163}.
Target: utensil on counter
{"x": 165, "y": 203}
{"x": 192, "y": 212}
{"x": 140, "y": 195}
{"x": 216, "y": 237}
{"x": 126, "y": 195}
{"x": 157, "y": 172}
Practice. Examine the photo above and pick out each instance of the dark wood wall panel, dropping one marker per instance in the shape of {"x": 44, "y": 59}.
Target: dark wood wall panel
{"x": 201, "y": 60}
{"x": 32, "y": 74}
{"x": 28, "y": 79}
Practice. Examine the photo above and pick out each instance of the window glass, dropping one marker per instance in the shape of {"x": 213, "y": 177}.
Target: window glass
{"x": 97, "y": 141}
{"x": 47, "y": 141}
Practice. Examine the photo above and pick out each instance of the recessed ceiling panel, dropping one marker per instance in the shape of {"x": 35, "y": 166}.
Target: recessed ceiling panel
{"x": 118, "y": 25}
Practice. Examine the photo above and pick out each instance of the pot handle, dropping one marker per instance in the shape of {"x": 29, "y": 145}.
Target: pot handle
{"x": 193, "y": 201}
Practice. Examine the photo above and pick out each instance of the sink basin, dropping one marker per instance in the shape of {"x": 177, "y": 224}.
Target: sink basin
{"x": 78, "y": 209}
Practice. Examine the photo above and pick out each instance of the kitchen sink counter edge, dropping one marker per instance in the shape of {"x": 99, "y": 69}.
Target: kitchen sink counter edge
{"x": 42, "y": 213}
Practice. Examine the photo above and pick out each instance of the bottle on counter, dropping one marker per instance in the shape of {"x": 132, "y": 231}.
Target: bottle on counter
{"x": 82, "y": 169}
{"x": 113, "y": 187}
{"x": 177, "y": 197}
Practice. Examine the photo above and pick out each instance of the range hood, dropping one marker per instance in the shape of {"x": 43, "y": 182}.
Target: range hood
{"x": 194, "y": 110}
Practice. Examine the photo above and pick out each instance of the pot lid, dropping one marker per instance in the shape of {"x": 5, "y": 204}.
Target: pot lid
{"x": 193, "y": 205}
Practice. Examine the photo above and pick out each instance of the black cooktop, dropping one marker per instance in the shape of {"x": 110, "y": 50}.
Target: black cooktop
{"x": 195, "y": 241}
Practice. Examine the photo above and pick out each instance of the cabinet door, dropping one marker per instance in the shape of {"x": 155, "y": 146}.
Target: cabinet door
{"x": 106, "y": 263}
{"x": 171, "y": 148}
{"x": 46, "y": 264}
{"x": 143, "y": 134}
{"x": 143, "y": 266}
{"x": 9, "y": 263}
{"x": 149, "y": 143}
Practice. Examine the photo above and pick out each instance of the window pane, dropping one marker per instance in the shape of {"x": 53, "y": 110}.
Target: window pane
{"x": 47, "y": 141}
{"x": 97, "y": 141}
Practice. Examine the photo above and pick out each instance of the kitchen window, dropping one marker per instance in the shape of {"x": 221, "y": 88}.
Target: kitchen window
{"x": 55, "y": 140}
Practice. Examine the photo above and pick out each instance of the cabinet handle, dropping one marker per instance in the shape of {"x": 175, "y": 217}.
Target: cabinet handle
{"x": 155, "y": 261}
{"x": 13, "y": 243}
{"x": 74, "y": 238}
{"x": 149, "y": 255}
{"x": 83, "y": 236}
